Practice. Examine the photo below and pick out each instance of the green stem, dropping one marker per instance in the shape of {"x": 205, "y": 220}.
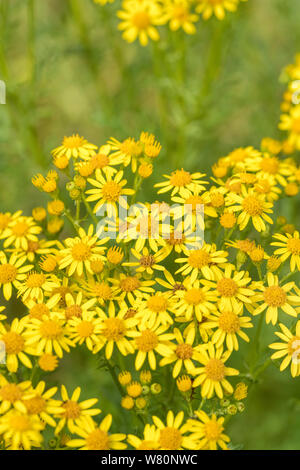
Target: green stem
{"x": 89, "y": 210}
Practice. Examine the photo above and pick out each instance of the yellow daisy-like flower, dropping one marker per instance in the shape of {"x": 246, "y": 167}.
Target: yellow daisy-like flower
{"x": 80, "y": 251}
{"x": 36, "y": 285}
{"x": 97, "y": 437}
{"x": 229, "y": 325}
{"x": 38, "y": 309}
{"x": 42, "y": 404}
{"x": 100, "y": 290}
{"x": 179, "y": 15}
{"x": 85, "y": 329}
{"x": 182, "y": 182}
{"x": 15, "y": 345}
{"x": 12, "y": 394}
{"x": 183, "y": 353}
{"x": 76, "y": 147}
{"x": 291, "y": 123}
{"x": 12, "y": 272}
{"x": 148, "y": 341}
{"x": 276, "y": 297}
{"x": 251, "y": 206}
{"x": 194, "y": 300}
{"x": 48, "y": 334}
{"x": 156, "y": 307}
{"x": 125, "y": 152}
{"x": 269, "y": 166}
{"x": 139, "y": 18}
{"x": 216, "y": 7}
{"x": 131, "y": 286}
{"x": 150, "y": 439}
{"x": 206, "y": 261}
{"x": 231, "y": 287}
{"x": 147, "y": 262}
{"x": 74, "y": 412}
{"x": 21, "y": 431}
{"x": 212, "y": 376}
{"x": 172, "y": 435}
{"x": 109, "y": 191}
{"x": 76, "y": 306}
{"x": 20, "y": 232}
{"x": 289, "y": 247}
{"x": 208, "y": 430}
{"x": 114, "y": 329}
{"x": 290, "y": 347}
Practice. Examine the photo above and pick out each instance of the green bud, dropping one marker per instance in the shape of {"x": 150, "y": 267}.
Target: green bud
{"x": 70, "y": 186}
{"x": 240, "y": 406}
{"x": 155, "y": 388}
{"x": 225, "y": 402}
{"x": 232, "y": 410}
{"x": 145, "y": 389}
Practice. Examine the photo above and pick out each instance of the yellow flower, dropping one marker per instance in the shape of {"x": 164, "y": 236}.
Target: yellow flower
{"x": 97, "y": 437}
{"x": 21, "y": 430}
{"x": 212, "y": 376}
{"x": 48, "y": 362}
{"x": 172, "y": 435}
{"x": 36, "y": 285}
{"x": 179, "y": 16}
{"x": 276, "y": 297}
{"x": 289, "y": 247}
{"x": 75, "y": 146}
{"x": 139, "y": 18}
{"x": 74, "y": 413}
{"x": 12, "y": 394}
{"x": 194, "y": 300}
{"x": 241, "y": 391}
{"x": 150, "y": 439}
{"x": 289, "y": 348}
{"x": 209, "y": 431}
{"x": 85, "y": 329}
{"x": 148, "y": 340}
{"x": 229, "y": 324}
{"x": 156, "y": 307}
{"x": 109, "y": 192}
{"x": 102, "y": 291}
{"x": 80, "y": 250}
{"x": 20, "y": 232}
{"x": 15, "y": 345}
{"x": 131, "y": 286}
{"x": 114, "y": 329}
{"x": 12, "y": 272}
{"x": 41, "y": 403}
{"x": 206, "y": 260}
{"x": 291, "y": 123}
{"x": 251, "y": 206}
{"x": 216, "y": 7}
{"x": 182, "y": 182}
{"x": 147, "y": 261}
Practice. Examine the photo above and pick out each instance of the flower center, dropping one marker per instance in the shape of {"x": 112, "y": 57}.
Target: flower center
{"x": 141, "y": 20}
{"x": 20, "y": 229}
{"x": 111, "y": 191}
{"x": 157, "y": 303}
{"x": 8, "y": 273}
{"x": 215, "y": 369}
{"x": 50, "y": 329}
{"x": 176, "y": 238}
{"x": 131, "y": 312}
{"x": 38, "y": 310}
{"x": 97, "y": 440}
{"x": 275, "y": 296}
{"x": 35, "y": 280}
{"x": 194, "y": 296}
{"x": 73, "y": 311}
{"x": 252, "y": 206}
{"x": 296, "y": 126}
{"x": 147, "y": 261}
{"x": 75, "y": 141}
{"x": 10, "y": 392}
{"x": 81, "y": 251}
{"x": 184, "y": 351}
{"x": 19, "y": 423}
{"x": 114, "y": 329}
{"x": 212, "y": 430}
{"x": 227, "y": 287}
{"x": 100, "y": 161}
{"x": 72, "y": 409}
{"x": 194, "y": 201}
{"x": 170, "y": 438}
{"x": 85, "y": 329}
{"x": 293, "y": 245}
{"x": 14, "y": 343}
{"x": 180, "y": 13}
{"x": 270, "y": 165}
{"x": 229, "y": 322}
{"x": 35, "y": 405}
{"x": 32, "y": 246}
{"x": 147, "y": 341}
{"x": 129, "y": 284}
{"x": 199, "y": 258}
{"x": 102, "y": 290}
{"x": 180, "y": 178}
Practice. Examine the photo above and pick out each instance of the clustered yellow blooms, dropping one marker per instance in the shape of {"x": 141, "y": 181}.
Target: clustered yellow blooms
{"x": 175, "y": 307}
{"x": 140, "y": 19}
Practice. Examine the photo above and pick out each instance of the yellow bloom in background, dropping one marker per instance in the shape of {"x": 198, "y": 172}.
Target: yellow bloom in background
{"x": 12, "y": 272}
{"x": 172, "y": 435}
{"x": 150, "y": 439}
{"x": 276, "y": 297}
{"x": 139, "y": 18}
{"x": 182, "y": 182}
{"x": 21, "y": 431}
{"x": 76, "y": 147}
{"x": 289, "y": 347}
{"x": 291, "y": 123}
{"x": 15, "y": 345}
{"x": 97, "y": 437}
{"x": 208, "y": 430}
{"x": 179, "y": 15}
{"x": 289, "y": 247}
{"x": 212, "y": 376}
{"x": 216, "y": 7}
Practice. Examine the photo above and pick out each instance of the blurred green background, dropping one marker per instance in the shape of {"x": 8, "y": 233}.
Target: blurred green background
{"x": 67, "y": 70}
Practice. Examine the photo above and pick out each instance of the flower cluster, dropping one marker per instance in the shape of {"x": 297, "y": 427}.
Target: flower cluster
{"x": 160, "y": 309}
{"x": 141, "y": 19}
